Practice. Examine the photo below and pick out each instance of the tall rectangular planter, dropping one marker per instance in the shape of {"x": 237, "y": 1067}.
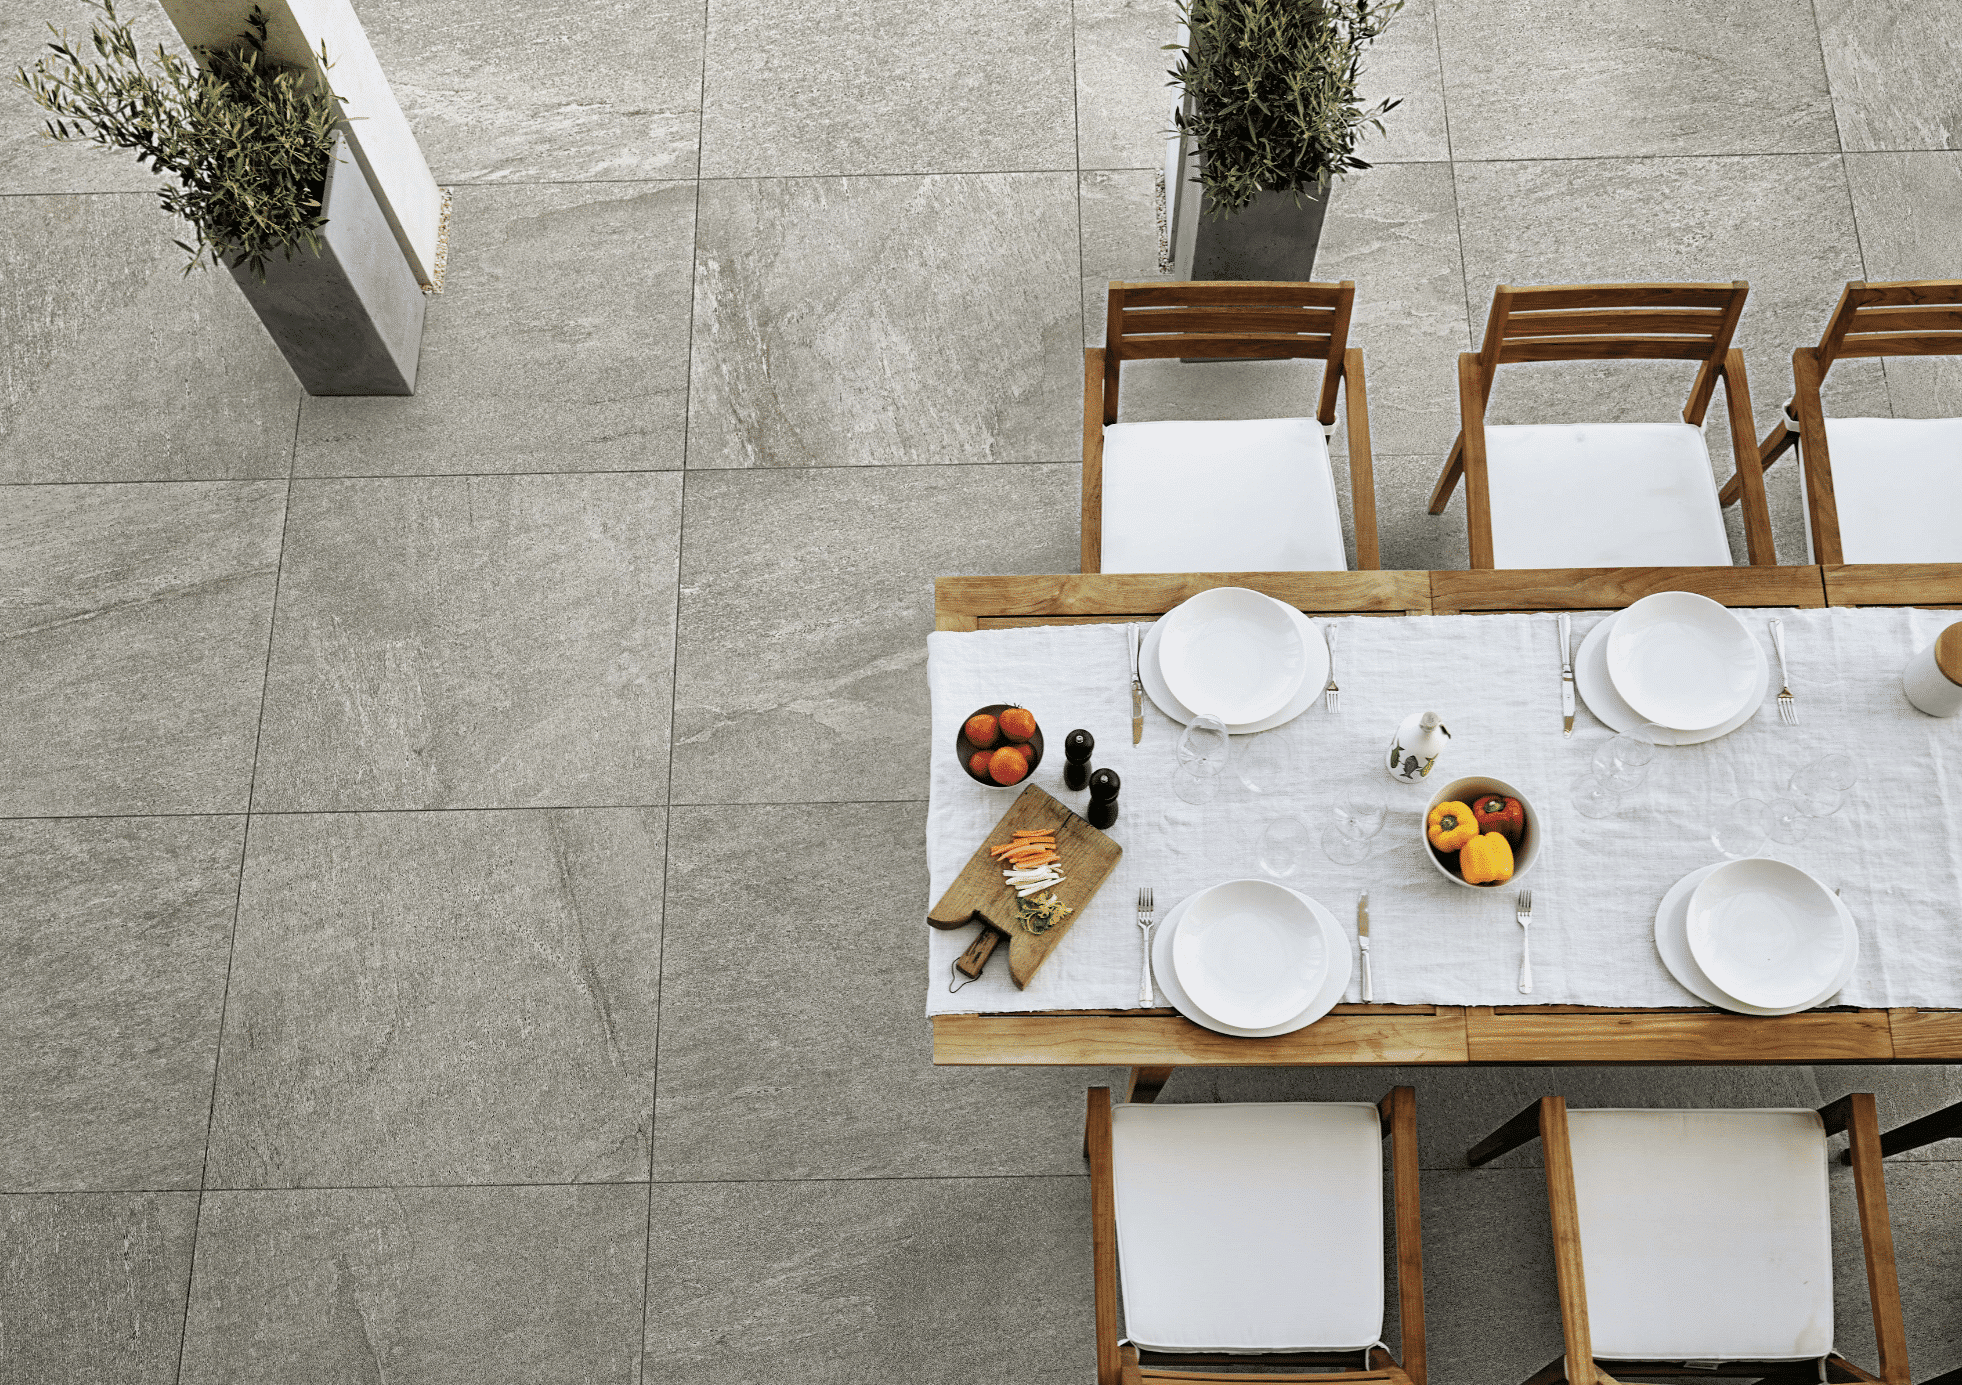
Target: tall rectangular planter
{"x": 1274, "y": 239}
{"x": 349, "y": 319}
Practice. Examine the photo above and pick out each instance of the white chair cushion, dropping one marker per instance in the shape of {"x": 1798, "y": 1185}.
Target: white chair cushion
{"x": 1603, "y": 495}
{"x": 1196, "y": 496}
{"x": 1705, "y": 1235}
{"x": 1897, "y": 483}
{"x": 1251, "y": 1227}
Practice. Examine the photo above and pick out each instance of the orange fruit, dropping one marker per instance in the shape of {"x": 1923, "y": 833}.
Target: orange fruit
{"x": 980, "y": 730}
{"x": 1018, "y": 724}
{"x": 1008, "y": 765}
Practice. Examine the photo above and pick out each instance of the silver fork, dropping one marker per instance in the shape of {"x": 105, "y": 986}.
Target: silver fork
{"x": 1524, "y": 913}
{"x": 1331, "y": 692}
{"x": 1144, "y": 926}
{"x": 1787, "y": 706}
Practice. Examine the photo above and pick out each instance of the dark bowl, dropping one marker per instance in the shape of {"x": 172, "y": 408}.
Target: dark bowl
{"x": 965, "y": 749}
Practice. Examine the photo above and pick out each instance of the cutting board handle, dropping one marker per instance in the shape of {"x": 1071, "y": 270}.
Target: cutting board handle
{"x": 970, "y": 962}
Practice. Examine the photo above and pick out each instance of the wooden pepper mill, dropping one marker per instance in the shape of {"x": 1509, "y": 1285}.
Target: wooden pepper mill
{"x": 1104, "y": 785}
{"x": 1076, "y": 758}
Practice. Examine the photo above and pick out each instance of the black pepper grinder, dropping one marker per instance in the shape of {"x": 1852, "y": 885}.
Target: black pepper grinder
{"x": 1104, "y": 785}
{"x": 1076, "y": 758}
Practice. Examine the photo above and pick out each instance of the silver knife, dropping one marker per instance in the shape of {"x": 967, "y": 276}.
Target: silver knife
{"x": 1566, "y": 677}
{"x": 1137, "y": 689}
{"x": 1362, "y": 937}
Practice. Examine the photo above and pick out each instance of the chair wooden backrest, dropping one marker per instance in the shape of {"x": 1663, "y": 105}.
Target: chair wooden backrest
{"x": 1118, "y": 1361}
{"x": 1228, "y": 320}
{"x": 1854, "y": 1114}
{"x": 1604, "y": 322}
{"x": 1919, "y": 317}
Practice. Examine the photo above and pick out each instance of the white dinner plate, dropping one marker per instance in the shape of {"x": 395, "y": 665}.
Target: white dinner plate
{"x": 1250, "y": 953}
{"x": 1672, "y": 942}
{"x": 1597, "y": 690}
{"x": 1315, "y": 679}
{"x": 1765, "y": 931}
{"x": 1231, "y": 652}
{"x": 1682, "y": 660}
{"x": 1334, "y": 981}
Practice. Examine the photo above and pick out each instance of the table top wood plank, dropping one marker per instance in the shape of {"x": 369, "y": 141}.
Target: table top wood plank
{"x": 1417, "y": 1035}
{"x": 1598, "y": 589}
{"x": 1152, "y": 593}
{"x": 1927, "y": 1036}
{"x": 1894, "y": 584}
{"x": 1674, "y": 1037}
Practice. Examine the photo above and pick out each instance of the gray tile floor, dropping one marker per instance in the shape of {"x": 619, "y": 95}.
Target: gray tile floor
{"x": 462, "y": 855}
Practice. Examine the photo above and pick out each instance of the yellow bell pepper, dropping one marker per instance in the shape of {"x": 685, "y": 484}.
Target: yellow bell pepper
{"x": 1486, "y": 860}
{"x": 1450, "y": 825}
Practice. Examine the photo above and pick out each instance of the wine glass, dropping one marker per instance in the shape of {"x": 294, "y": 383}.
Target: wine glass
{"x": 1740, "y": 827}
{"x": 1358, "y": 817}
{"x": 1282, "y": 842}
{"x": 1789, "y": 821}
{"x": 1620, "y": 766}
{"x": 1819, "y": 788}
{"x": 1203, "y": 750}
{"x": 1264, "y": 765}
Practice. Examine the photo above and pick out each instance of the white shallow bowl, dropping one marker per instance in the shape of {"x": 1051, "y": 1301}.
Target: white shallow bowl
{"x": 1335, "y": 982}
{"x": 1250, "y": 953}
{"x": 1672, "y": 943}
{"x": 1682, "y": 660}
{"x": 1523, "y": 855}
{"x": 1152, "y": 674}
{"x": 1232, "y": 653}
{"x": 1766, "y": 932}
{"x": 1598, "y": 690}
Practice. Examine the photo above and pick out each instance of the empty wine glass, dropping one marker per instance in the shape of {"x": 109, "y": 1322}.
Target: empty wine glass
{"x": 1282, "y": 843}
{"x": 1264, "y": 765}
{"x": 1789, "y": 821}
{"x": 1358, "y": 816}
{"x": 1819, "y": 788}
{"x": 1203, "y": 749}
{"x": 1620, "y": 766}
{"x": 1739, "y": 828}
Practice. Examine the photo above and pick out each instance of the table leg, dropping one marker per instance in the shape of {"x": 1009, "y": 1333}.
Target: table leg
{"x": 1147, "y": 1083}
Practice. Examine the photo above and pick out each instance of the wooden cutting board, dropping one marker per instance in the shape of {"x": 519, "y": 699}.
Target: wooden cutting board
{"x": 978, "y": 892}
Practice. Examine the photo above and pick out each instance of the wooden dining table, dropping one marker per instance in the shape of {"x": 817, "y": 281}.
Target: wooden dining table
{"x": 1153, "y": 1043}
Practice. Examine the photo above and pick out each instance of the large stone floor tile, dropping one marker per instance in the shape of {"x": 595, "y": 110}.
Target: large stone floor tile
{"x": 489, "y": 641}
{"x": 1529, "y": 79}
{"x": 436, "y": 1286}
{"x": 440, "y": 998}
{"x": 881, "y": 321}
{"x": 30, "y": 162}
{"x": 560, "y": 342}
{"x": 1924, "y": 1203}
{"x": 885, "y": 86}
{"x": 1909, "y": 210}
{"x": 1123, "y": 97}
{"x": 1490, "y": 1313}
{"x": 545, "y": 91}
{"x": 115, "y": 366}
{"x": 971, "y": 1281}
{"x": 807, "y": 597}
{"x": 1403, "y": 66}
{"x": 135, "y": 620}
{"x": 1892, "y": 68}
{"x": 117, "y": 934}
{"x": 793, "y": 1043}
{"x": 1782, "y": 223}
{"x": 93, "y": 1285}
{"x": 1408, "y": 535}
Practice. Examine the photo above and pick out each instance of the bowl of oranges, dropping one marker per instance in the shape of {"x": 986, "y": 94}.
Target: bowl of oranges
{"x": 999, "y": 745}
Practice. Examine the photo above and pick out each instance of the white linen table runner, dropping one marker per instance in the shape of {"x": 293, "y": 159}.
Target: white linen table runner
{"x": 1894, "y": 850}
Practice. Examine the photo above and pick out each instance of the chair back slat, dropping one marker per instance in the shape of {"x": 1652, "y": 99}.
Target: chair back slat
{"x": 1258, "y": 292}
{"x": 1231, "y": 321}
{"x": 1915, "y": 318}
{"x": 1605, "y": 349}
{"x": 1687, "y": 322}
{"x": 1857, "y": 345}
{"x": 1908, "y": 293}
{"x": 1244, "y": 346}
{"x": 1557, "y": 296}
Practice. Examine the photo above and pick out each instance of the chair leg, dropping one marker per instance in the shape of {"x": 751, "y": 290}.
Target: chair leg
{"x": 1521, "y": 1129}
{"x": 1147, "y": 1083}
{"x": 1454, "y": 467}
{"x": 1553, "y": 1372}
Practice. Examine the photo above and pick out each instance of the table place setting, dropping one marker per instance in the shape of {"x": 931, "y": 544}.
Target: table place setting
{"x": 1694, "y": 834}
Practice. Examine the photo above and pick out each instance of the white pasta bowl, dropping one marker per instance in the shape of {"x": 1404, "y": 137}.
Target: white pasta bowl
{"x": 1523, "y": 855}
{"x": 1766, "y": 932}
{"x": 1232, "y": 653}
{"x": 1682, "y": 660}
{"x": 1250, "y": 953}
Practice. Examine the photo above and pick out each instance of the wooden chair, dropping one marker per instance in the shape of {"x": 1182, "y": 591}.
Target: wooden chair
{"x": 1945, "y": 1124}
{"x": 1877, "y": 490}
{"x": 1606, "y": 494}
{"x": 1256, "y": 495}
{"x": 1698, "y": 1243}
{"x": 1252, "y": 1234}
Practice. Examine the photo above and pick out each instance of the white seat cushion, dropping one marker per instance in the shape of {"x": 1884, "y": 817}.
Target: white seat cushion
{"x": 1705, "y": 1235}
{"x": 1897, "y": 483}
{"x": 1603, "y": 495}
{"x": 1252, "y": 496}
{"x": 1253, "y": 1227}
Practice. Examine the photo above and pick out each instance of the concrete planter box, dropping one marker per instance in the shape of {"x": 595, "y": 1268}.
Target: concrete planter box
{"x": 1274, "y": 239}
{"x": 348, "y": 320}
